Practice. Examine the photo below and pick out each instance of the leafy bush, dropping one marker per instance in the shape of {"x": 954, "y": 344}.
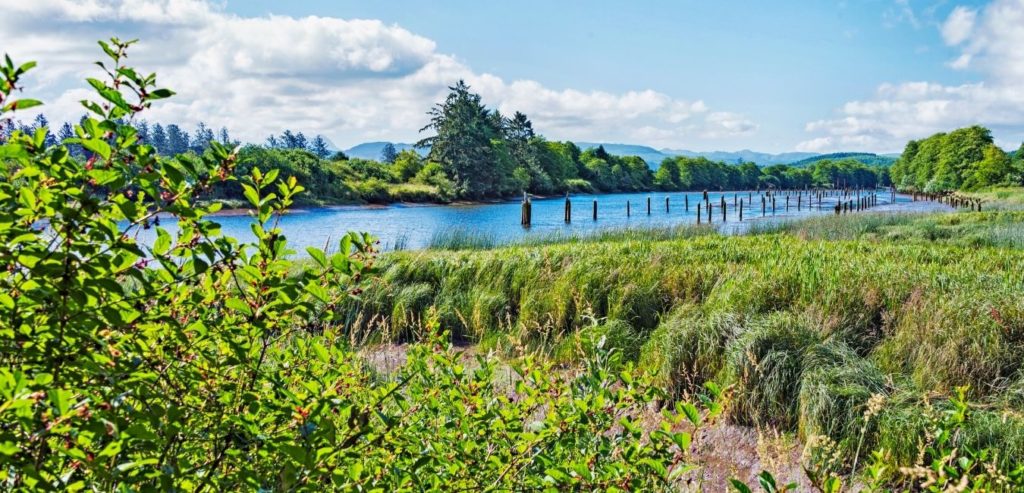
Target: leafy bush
{"x": 198, "y": 362}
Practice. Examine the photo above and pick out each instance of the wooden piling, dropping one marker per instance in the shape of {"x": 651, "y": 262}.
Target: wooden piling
{"x": 648, "y": 206}
{"x": 595, "y": 209}
{"x": 698, "y": 212}
{"x": 686, "y": 203}
{"x": 526, "y": 213}
{"x": 666, "y": 204}
{"x": 741, "y": 210}
{"x": 627, "y": 208}
{"x": 568, "y": 209}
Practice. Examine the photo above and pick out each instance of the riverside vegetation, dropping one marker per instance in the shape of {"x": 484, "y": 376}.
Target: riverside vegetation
{"x": 806, "y": 322}
{"x": 203, "y": 363}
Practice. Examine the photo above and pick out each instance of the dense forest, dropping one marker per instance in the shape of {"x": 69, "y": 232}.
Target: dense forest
{"x": 475, "y": 153}
{"x": 867, "y": 158}
{"x": 964, "y": 159}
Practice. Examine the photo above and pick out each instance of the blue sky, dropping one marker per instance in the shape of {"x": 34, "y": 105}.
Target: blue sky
{"x": 778, "y": 76}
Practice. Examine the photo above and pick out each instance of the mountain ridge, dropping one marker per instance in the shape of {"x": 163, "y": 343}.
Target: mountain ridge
{"x": 653, "y": 156}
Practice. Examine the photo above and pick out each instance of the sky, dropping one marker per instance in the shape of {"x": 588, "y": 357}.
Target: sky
{"x": 814, "y": 75}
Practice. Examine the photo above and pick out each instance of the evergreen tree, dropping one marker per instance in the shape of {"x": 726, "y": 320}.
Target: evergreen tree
{"x": 300, "y": 142}
{"x": 388, "y": 154}
{"x": 224, "y": 137}
{"x": 462, "y": 144}
{"x": 67, "y": 132}
{"x": 143, "y": 129}
{"x": 159, "y": 139}
{"x": 177, "y": 140}
{"x": 202, "y": 139}
{"x": 319, "y": 147}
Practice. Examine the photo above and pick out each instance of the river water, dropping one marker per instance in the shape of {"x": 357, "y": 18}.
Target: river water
{"x": 414, "y": 226}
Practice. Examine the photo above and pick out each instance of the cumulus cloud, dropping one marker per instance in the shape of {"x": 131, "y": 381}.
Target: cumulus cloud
{"x": 348, "y": 79}
{"x": 989, "y": 41}
{"x": 958, "y": 25}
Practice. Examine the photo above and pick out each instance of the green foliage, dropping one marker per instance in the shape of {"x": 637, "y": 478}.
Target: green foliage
{"x": 966, "y": 159}
{"x": 863, "y": 157}
{"x": 202, "y": 363}
{"x": 805, "y": 326}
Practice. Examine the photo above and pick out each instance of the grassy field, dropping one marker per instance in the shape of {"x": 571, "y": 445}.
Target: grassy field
{"x": 806, "y": 321}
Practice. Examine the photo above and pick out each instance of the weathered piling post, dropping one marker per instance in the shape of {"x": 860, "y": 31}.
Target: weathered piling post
{"x": 686, "y": 203}
{"x": 787, "y": 203}
{"x": 595, "y": 209}
{"x": 709, "y": 212}
{"x": 526, "y": 213}
{"x": 773, "y": 204}
{"x": 734, "y": 200}
{"x": 741, "y": 210}
{"x": 837, "y": 208}
{"x": 762, "y": 206}
{"x": 627, "y": 208}
{"x": 705, "y": 195}
{"x": 724, "y": 218}
{"x": 666, "y": 204}
{"x": 568, "y": 209}
{"x": 698, "y": 213}
{"x": 648, "y": 205}
{"x": 799, "y": 201}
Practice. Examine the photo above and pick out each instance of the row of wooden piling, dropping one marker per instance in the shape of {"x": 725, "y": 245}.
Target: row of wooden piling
{"x": 847, "y": 200}
{"x": 950, "y": 199}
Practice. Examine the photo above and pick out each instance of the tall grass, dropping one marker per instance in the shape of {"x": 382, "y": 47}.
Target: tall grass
{"x": 805, "y": 324}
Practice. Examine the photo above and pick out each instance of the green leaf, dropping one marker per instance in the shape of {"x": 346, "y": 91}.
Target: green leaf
{"x": 739, "y": 486}
{"x": 317, "y": 255}
{"x": 691, "y": 412}
{"x": 22, "y": 104}
{"x": 161, "y": 94}
{"x": 97, "y": 146}
{"x": 163, "y": 242}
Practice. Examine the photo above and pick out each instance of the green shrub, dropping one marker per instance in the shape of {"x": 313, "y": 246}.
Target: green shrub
{"x": 201, "y": 363}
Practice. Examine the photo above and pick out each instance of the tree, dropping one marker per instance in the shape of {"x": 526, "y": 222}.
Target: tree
{"x": 388, "y": 154}
{"x": 159, "y": 139}
{"x": 224, "y": 137}
{"x": 319, "y": 147}
{"x": 202, "y": 139}
{"x": 519, "y": 128}
{"x": 464, "y": 130}
{"x": 667, "y": 176}
{"x": 177, "y": 140}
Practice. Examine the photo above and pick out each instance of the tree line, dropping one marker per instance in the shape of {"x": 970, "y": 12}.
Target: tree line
{"x": 472, "y": 153}
{"x": 964, "y": 159}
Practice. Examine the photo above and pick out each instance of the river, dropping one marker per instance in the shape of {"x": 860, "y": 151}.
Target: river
{"x": 414, "y": 226}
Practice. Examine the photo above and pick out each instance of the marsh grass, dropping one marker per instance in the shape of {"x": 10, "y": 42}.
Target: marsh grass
{"x": 805, "y": 321}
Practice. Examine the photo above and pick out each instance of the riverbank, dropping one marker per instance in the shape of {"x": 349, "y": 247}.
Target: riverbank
{"x": 804, "y": 321}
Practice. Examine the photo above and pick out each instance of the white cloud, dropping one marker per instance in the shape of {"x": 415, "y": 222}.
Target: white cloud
{"x": 989, "y": 40}
{"x": 351, "y": 80}
{"x": 958, "y": 25}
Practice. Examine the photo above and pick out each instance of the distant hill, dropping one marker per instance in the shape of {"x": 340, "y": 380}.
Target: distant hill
{"x": 864, "y": 157}
{"x": 371, "y": 150}
{"x": 655, "y": 156}
{"x": 649, "y": 154}
{"x": 744, "y": 156}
